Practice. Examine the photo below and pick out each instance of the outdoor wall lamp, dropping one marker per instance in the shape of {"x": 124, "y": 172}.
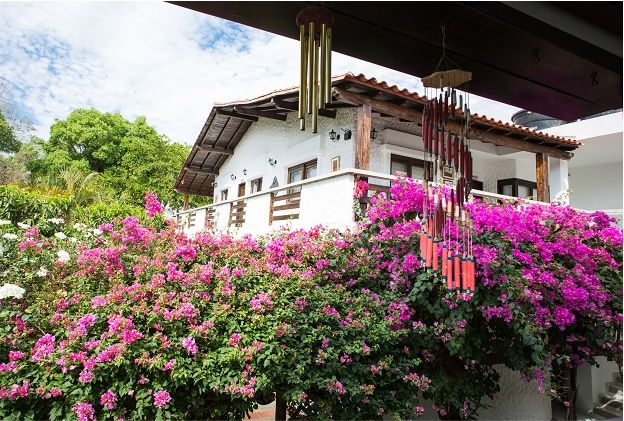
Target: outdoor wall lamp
{"x": 272, "y": 162}
{"x": 374, "y": 133}
{"x": 333, "y": 136}
{"x": 232, "y": 177}
{"x": 244, "y": 171}
{"x": 214, "y": 184}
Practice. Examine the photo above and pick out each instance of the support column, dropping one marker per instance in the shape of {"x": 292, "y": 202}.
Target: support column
{"x": 362, "y": 136}
{"x": 541, "y": 175}
{"x": 558, "y": 176}
{"x": 186, "y": 201}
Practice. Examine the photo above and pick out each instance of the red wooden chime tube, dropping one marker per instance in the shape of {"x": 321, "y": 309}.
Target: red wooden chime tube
{"x": 456, "y": 271}
{"x": 435, "y": 261}
{"x": 444, "y": 261}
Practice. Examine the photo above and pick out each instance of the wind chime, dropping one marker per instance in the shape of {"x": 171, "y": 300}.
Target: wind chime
{"x": 315, "y": 33}
{"x": 446, "y": 235}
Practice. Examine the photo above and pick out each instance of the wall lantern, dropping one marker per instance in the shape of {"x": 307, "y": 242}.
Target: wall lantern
{"x": 374, "y": 133}
{"x": 333, "y": 136}
{"x": 272, "y": 162}
{"x": 244, "y": 171}
{"x": 214, "y": 184}
{"x": 232, "y": 177}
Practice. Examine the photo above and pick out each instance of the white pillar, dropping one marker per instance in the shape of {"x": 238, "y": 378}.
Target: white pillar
{"x": 558, "y": 180}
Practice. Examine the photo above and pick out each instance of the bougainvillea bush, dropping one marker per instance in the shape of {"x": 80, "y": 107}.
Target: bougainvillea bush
{"x": 133, "y": 320}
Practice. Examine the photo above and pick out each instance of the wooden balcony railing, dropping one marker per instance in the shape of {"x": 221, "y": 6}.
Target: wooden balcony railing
{"x": 287, "y": 205}
{"x": 210, "y": 217}
{"x": 284, "y": 203}
{"x": 237, "y": 213}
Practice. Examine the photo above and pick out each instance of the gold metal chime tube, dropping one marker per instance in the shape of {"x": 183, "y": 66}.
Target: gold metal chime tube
{"x": 302, "y": 75}
{"x": 315, "y": 88}
{"x": 327, "y": 69}
{"x": 311, "y": 65}
{"x": 315, "y": 67}
{"x": 323, "y": 58}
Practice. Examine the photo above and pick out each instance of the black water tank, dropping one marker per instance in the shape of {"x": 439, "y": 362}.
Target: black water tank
{"x": 535, "y": 121}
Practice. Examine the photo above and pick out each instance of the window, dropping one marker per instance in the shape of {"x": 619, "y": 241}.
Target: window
{"x": 301, "y": 172}
{"x": 241, "y": 189}
{"x": 477, "y": 185}
{"x": 407, "y": 167}
{"x": 224, "y": 194}
{"x": 256, "y": 185}
{"x": 335, "y": 164}
{"x": 517, "y": 187}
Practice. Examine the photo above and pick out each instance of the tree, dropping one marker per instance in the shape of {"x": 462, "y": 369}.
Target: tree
{"x": 89, "y": 135}
{"x": 8, "y": 141}
{"x": 11, "y": 171}
{"x": 13, "y": 124}
{"x": 132, "y": 156}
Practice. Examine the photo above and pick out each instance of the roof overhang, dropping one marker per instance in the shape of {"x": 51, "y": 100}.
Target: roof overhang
{"x": 561, "y": 59}
{"x": 228, "y": 122}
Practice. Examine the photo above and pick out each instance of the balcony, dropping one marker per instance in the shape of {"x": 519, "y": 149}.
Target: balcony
{"x": 323, "y": 200}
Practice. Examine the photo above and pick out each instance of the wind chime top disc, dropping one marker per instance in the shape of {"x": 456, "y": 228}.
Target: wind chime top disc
{"x": 447, "y": 79}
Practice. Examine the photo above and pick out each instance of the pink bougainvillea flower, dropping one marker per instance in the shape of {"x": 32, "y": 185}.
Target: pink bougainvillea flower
{"x": 84, "y": 411}
{"x": 152, "y": 205}
{"x": 108, "y": 399}
{"x": 161, "y": 398}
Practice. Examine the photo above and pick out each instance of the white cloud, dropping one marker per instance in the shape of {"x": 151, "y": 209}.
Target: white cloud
{"x": 154, "y": 59}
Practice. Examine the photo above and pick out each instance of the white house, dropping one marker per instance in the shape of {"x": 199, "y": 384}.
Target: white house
{"x": 264, "y": 173}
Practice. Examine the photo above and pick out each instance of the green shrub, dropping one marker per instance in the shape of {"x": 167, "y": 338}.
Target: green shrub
{"x": 18, "y": 204}
{"x": 100, "y": 213}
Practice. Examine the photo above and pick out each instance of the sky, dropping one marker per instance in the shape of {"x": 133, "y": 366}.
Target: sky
{"x": 153, "y": 59}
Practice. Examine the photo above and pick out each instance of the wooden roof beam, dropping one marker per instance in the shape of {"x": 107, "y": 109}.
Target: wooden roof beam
{"x": 258, "y": 113}
{"x": 199, "y": 170}
{"x": 216, "y": 149}
{"x": 292, "y": 106}
{"x": 236, "y": 115}
{"x": 413, "y": 115}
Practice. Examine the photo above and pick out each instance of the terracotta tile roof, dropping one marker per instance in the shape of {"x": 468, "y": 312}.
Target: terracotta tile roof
{"x": 373, "y": 83}
{"x": 382, "y": 85}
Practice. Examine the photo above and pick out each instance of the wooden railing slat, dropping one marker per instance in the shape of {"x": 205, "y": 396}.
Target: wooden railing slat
{"x": 284, "y": 207}
{"x": 285, "y": 217}
{"x": 294, "y": 195}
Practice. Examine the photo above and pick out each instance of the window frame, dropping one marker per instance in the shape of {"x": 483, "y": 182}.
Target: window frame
{"x": 303, "y": 167}
{"x": 255, "y": 181}
{"x": 515, "y": 183}
{"x": 409, "y": 161}
{"x": 223, "y": 195}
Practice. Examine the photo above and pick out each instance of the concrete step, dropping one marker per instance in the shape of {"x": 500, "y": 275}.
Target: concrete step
{"x": 608, "y": 412}
{"x": 612, "y": 401}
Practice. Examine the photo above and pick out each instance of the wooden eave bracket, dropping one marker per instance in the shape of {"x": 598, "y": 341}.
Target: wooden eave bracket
{"x": 258, "y": 113}
{"x": 292, "y": 106}
{"x": 216, "y": 149}
{"x": 198, "y": 170}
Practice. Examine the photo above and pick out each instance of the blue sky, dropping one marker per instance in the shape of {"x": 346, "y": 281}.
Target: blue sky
{"x": 154, "y": 59}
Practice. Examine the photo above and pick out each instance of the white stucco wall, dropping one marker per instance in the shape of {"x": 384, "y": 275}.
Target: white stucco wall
{"x": 597, "y": 187}
{"x": 283, "y": 141}
{"x": 595, "y": 171}
{"x": 517, "y": 400}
